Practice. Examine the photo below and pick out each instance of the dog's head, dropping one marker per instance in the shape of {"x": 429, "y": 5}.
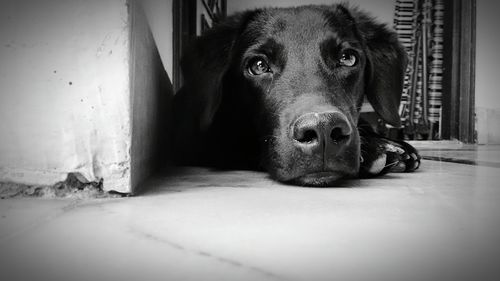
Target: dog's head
{"x": 295, "y": 79}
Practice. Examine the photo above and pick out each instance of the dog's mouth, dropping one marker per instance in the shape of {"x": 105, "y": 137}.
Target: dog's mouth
{"x": 319, "y": 179}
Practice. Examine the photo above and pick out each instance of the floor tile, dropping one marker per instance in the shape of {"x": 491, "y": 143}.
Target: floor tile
{"x": 440, "y": 223}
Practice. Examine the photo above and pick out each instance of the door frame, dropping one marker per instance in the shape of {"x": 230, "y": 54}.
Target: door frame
{"x": 184, "y": 29}
{"x": 458, "y": 119}
{"x": 185, "y": 26}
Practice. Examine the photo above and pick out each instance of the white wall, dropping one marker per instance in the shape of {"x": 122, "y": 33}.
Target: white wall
{"x": 64, "y": 96}
{"x": 382, "y": 9}
{"x": 79, "y": 78}
{"x": 488, "y": 72}
{"x": 241, "y": 5}
{"x": 159, "y": 16}
{"x": 151, "y": 93}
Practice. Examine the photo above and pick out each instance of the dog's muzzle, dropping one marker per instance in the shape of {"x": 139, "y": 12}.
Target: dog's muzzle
{"x": 325, "y": 140}
{"x": 325, "y": 132}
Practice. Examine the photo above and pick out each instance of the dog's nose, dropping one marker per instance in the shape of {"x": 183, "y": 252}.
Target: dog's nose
{"x": 327, "y": 131}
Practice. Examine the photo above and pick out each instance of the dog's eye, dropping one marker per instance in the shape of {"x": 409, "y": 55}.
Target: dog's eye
{"x": 258, "y": 67}
{"x": 348, "y": 59}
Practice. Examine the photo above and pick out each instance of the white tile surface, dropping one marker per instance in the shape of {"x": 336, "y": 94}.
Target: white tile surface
{"x": 441, "y": 223}
{"x": 483, "y": 155}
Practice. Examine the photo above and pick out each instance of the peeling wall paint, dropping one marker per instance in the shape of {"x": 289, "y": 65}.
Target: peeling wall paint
{"x": 65, "y": 91}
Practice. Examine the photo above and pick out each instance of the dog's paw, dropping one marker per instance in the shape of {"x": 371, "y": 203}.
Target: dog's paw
{"x": 405, "y": 156}
{"x": 380, "y": 156}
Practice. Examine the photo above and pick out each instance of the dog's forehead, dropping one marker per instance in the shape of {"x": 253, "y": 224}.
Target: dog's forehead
{"x": 306, "y": 23}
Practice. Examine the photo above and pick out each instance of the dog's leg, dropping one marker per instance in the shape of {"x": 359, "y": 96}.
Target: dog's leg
{"x": 380, "y": 155}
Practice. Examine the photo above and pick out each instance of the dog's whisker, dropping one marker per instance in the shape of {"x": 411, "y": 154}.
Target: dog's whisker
{"x": 270, "y": 85}
{"x": 269, "y": 138}
{"x": 391, "y": 164}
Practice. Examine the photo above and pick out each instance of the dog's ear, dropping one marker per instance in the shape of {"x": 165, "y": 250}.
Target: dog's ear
{"x": 204, "y": 65}
{"x": 386, "y": 66}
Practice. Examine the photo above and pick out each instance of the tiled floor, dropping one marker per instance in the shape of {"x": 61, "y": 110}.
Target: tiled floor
{"x": 468, "y": 154}
{"x": 440, "y": 223}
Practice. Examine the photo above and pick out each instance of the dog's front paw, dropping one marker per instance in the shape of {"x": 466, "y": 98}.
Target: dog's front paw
{"x": 380, "y": 156}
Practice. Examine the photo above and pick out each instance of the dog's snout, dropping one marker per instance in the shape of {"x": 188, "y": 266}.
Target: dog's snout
{"x": 341, "y": 132}
{"x": 326, "y": 131}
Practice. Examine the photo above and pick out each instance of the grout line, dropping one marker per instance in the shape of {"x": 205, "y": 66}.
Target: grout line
{"x": 208, "y": 255}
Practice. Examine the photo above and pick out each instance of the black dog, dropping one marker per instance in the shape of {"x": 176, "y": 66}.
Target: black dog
{"x": 281, "y": 89}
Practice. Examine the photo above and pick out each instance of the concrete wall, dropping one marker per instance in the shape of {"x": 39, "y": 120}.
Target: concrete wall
{"x": 159, "y": 16}
{"x": 382, "y": 9}
{"x": 151, "y": 93}
{"x": 487, "y": 72}
{"x": 64, "y": 100}
{"x": 71, "y": 72}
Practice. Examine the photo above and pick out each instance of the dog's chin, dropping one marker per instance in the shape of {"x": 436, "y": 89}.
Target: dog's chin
{"x": 319, "y": 179}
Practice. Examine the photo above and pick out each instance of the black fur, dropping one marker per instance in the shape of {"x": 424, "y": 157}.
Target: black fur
{"x": 299, "y": 120}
